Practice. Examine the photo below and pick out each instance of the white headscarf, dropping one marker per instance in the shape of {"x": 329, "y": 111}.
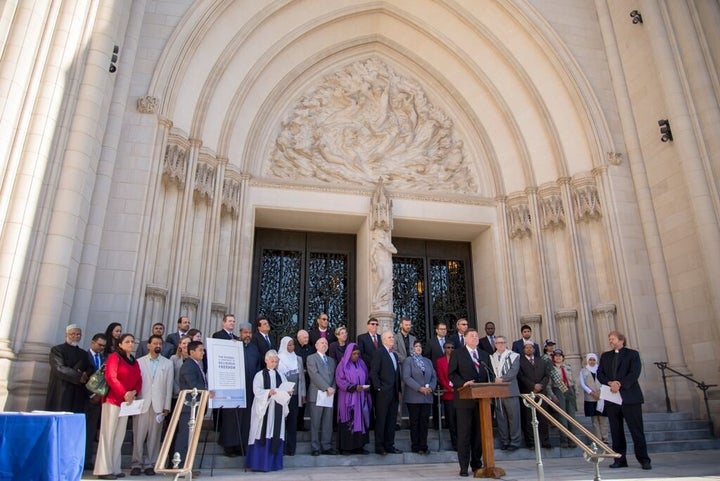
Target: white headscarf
{"x": 288, "y": 360}
{"x": 592, "y": 369}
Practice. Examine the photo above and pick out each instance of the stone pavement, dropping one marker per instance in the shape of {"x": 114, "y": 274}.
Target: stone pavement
{"x": 684, "y": 466}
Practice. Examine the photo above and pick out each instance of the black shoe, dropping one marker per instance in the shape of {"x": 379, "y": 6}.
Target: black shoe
{"x": 315, "y": 453}
{"x": 107, "y": 476}
{"x": 504, "y": 447}
{"x": 394, "y": 451}
{"x": 512, "y": 448}
{"x": 619, "y": 464}
{"x": 647, "y": 466}
{"x": 546, "y": 446}
{"x": 464, "y": 474}
{"x": 120, "y": 475}
{"x": 381, "y": 452}
{"x": 330, "y": 452}
{"x": 135, "y": 472}
{"x": 149, "y": 472}
{"x": 531, "y": 446}
{"x": 228, "y": 453}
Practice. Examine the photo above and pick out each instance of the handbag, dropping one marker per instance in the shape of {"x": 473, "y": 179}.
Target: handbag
{"x": 97, "y": 383}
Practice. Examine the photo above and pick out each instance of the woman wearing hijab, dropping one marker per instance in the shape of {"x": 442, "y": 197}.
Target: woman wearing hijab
{"x": 593, "y": 403}
{"x": 353, "y": 402}
{"x": 123, "y": 377}
{"x": 419, "y": 381}
{"x": 112, "y": 333}
{"x": 291, "y": 366}
{"x": 269, "y": 408}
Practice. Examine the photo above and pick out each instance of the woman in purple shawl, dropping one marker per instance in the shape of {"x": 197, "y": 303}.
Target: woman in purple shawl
{"x": 354, "y": 403}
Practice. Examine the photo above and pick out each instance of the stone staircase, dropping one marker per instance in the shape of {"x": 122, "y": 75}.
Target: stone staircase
{"x": 665, "y": 432}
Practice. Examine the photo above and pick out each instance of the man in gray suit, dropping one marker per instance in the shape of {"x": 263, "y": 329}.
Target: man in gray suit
{"x": 321, "y": 370}
{"x": 506, "y": 365}
{"x": 402, "y": 346}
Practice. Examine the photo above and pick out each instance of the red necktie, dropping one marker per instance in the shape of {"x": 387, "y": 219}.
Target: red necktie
{"x": 565, "y": 379}
{"x": 475, "y": 361}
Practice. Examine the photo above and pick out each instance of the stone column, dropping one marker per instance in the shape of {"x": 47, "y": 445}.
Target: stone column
{"x": 566, "y": 321}
{"x": 535, "y": 322}
{"x": 381, "y": 251}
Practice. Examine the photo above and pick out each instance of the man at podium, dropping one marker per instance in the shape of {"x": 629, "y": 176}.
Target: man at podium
{"x": 468, "y": 365}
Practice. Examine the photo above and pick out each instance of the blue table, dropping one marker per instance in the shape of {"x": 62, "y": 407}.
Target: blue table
{"x": 43, "y": 446}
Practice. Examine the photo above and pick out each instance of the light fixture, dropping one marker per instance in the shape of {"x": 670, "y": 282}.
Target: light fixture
{"x": 637, "y": 18}
{"x": 114, "y": 59}
{"x": 666, "y": 133}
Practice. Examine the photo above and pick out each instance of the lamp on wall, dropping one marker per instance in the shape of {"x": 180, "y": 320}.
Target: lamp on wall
{"x": 114, "y": 59}
{"x": 637, "y": 18}
{"x": 666, "y": 133}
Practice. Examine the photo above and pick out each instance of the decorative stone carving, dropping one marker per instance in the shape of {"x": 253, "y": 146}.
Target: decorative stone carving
{"x": 381, "y": 264}
{"x": 147, "y": 105}
{"x": 364, "y": 122}
{"x": 519, "y": 220}
{"x": 381, "y": 208}
{"x": 614, "y": 158}
{"x": 205, "y": 180}
{"x": 552, "y": 213}
{"x": 604, "y": 320}
{"x": 175, "y": 163}
{"x": 231, "y": 196}
{"x": 587, "y": 202}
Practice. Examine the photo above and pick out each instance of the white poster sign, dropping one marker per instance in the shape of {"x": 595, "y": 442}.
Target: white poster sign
{"x": 226, "y": 373}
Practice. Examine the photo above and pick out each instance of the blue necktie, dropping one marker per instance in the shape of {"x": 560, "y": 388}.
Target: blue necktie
{"x": 97, "y": 361}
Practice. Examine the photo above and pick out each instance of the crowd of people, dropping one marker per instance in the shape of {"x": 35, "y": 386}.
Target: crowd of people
{"x": 345, "y": 388}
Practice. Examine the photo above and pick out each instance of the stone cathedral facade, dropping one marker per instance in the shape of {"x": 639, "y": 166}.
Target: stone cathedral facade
{"x": 144, "y": 143}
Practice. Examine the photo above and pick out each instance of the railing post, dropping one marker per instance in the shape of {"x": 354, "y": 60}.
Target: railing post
{"x": 704, "y": 387}
{"x": 536, "y": 435}
{"x": 662, "y": 366}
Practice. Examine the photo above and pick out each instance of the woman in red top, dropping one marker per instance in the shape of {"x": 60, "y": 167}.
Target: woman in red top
{"x": 123, "y": 376}
{"x": 448, "y": 398}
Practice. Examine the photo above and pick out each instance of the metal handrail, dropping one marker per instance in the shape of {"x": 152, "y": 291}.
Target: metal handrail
{"x": 662, "y": 365}
{"x": 594, "y": 453}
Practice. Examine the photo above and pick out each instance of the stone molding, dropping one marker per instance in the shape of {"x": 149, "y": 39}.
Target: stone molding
{"x": 518, "y": 217}
{"x": 175, "y": 164}
{"x": 552, "y": 212}
{"x": 231, "y": 196}
{"x": 205, "y": 180}
{"x": 147, "y": 104}
{"x": 586, "y": 200}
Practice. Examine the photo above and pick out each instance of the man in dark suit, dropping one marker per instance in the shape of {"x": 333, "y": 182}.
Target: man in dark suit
{"x": 322, "y": 329}
{"x": 158, "y": 329}
{"x": 173, "y": 339}
{"x": 386, "y": 382}
{"x": 261, "y": 337}
{"x": 620, "y": 370}
{"x": 533, "y": 376}
{"x": 468, "y": 365}
{"x": 227, "y": 419}
{"x": 458, "y": 337}
{"x": 93, "y": 407}
{"x": 519, "y": 344}
{"x": 487, "y": 342}
{"x": 191, "y": 376}
{"x": 369, "y": 342}
{"x": 69, "y": 366}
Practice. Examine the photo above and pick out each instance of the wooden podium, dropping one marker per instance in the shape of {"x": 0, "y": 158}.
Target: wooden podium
{"x": 485, "y": 391}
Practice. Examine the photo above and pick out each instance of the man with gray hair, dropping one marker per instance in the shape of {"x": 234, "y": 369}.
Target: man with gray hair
{"x": 506, "y": 365}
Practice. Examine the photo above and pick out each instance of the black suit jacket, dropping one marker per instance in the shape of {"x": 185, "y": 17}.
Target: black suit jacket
{"x": 486, "y": 346}
{"x": 455, "y": 339}
{"x": 315, "y": 335}
{"x": 530, "y": 374}
{"x": 462, "y": 369}
{"x": 191, "y": 375}
{"x": 262, "y": 345}
{"x": 433, "y": 350}
{"x": 222, "y": 334}
{"x": 627, "y": 373}
{"x": 367, "y": 348}
{"x": 519, "y": 344}
{"x": 384, "y": 377}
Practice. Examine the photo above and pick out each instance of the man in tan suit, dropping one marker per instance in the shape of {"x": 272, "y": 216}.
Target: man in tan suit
{"x": 157, "y": 385}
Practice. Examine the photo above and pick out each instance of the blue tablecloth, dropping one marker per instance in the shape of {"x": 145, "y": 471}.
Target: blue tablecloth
{"x": 42, "y": 446}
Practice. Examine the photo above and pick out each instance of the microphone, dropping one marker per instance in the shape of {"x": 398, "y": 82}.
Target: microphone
{"x": 487, "y": 371}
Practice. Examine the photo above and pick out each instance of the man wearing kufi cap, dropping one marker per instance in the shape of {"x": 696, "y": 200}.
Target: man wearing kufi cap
{"x": 68, "y": 374}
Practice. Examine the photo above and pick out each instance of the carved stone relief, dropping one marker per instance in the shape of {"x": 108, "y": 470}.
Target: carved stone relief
{"x": 147, "y": 105}
{"x": 587, "y": 202}
{"x": 175, "y": 164}
{"x": 552, "y": 213}
{"x": 205, "y": 180}
{"x": 364, "y": 122}
{"x": 231, "y": 196}
{"x": 519, "y": 220}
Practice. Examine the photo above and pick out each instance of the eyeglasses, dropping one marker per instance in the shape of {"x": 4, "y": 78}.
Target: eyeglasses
{"x": 373, "y": 323}
{"x": 323, "y": 318}
{"x": 500, "y": 342}
{"x": 450, "y": 347}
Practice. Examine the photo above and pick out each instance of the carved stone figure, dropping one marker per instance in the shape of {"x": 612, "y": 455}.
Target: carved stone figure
{"x": 381, "y": 208}
{"x": 382, "y": 274}
{"x": 365, "y": 122}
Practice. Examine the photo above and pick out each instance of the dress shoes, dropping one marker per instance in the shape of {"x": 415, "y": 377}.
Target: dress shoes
{"x": 135, "y": 472}
{"x": 504, "y": 447}
{"x": 547, "y": 445}
{"x": 107, "y": 476}
{"x": 381, "y": 452}
{"x": 647, "y": 466}
{"x": 228, "y": 452}
{"x": 149, "y": 472}
{"x": 619, "y": 464}
{"x": 315, "y": 453}
{"x": 512, "y": 448}
{"x": 330, "y": 452}
{"x": 464, "y": 474}
{"x": 120, "y": 475}
{"x": 394, "y": 451}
